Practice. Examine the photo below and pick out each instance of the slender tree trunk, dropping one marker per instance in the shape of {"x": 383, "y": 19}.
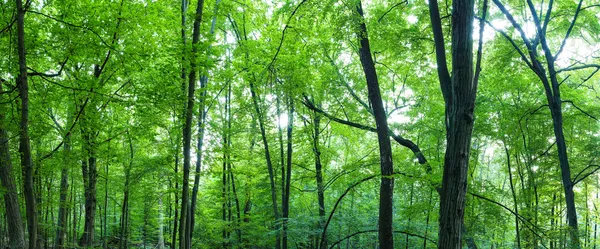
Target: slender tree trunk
{"x": 161, "y": 239}
{"x": 319, "y": 174}
{"x": 201, "y": 120}
{"x": 184, "y": 223}
{"x": 514, "y": 196}
{"x": 175, "y": 218}
{"x": 267, "y": 157}
{"x": 288, "y": 173}
{"x": 224, "y": 193}
{"x": 64, "y": 188}
{"x": 386, "y": 189}
{"x": 24, "y": 142}
{"x": 11, "y": 199}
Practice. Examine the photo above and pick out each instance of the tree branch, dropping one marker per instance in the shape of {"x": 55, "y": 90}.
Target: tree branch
{"x": 440, "y": 51}
{"x": 577, "y": 179}
{"x": 562, "y": 45}
{"x": 398, "y": 138}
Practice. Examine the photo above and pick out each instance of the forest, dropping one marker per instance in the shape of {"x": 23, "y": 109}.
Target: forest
{"x": 310, "y": 124}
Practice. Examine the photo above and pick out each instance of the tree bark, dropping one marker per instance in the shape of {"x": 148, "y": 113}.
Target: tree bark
{"x": 11, "y": 199}
{"x": 386, "y": 189}
{"x": 319, "y": 174}
{"x": 459, "y": 93}
{"x": 285, "y": 206}
{"x": 64, "y": 188}
{"x": 201, "y": 121}
{"x": 184, "y": 228}
{"x": 267, "y": 157}
{"x": 24, "y": 141}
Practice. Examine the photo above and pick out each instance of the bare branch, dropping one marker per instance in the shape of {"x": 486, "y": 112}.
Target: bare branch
{"x": 479, "y": 51}
{"x": 562, "y": 45}
{"x": 515, "y": 24}
{"x": 582, "y": 111}
{"x": 578, "y": 179}
{"x": 512, "y": 42}
{"x": 573, "y": 68}
{"x": 391, "y": 8}
{"x": 398, "y": 138}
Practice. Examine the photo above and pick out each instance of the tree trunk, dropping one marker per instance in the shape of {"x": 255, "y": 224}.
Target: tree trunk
{"x": 24, "y": 142}
{"x": 201, "y": 120}
{"x": 64, "y": 188}
{"x": 319, "y": 174}
{"x": 267, "y": 157}
{"x": 184, "y": 228}
{"x": 386, "y": 190}
{"x": 288, "y": 173}
{"x": 514, "y": 196}
{"x": 459, "y": 91}
{"x": 11, "y": 199}
{"x": 161, "y": 239}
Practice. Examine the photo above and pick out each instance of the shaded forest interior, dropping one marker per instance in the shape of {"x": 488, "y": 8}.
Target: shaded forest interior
{"x": 299, "y": 124}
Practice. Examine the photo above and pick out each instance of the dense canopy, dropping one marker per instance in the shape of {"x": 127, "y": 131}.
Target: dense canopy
{"x": 299, "y": 124}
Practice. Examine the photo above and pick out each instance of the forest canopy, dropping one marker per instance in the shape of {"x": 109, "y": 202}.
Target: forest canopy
{"x": 299, "y": 124}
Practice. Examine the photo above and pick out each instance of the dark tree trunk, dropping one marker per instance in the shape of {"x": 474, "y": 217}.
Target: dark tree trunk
{"x": 89, "y": 173}
{"x": 514, "y": 196}
{"x": 24, "y": 141}
{"x": 175, "y": 218}
{"x": 551, "y": 85}
{"x": 11, "y": 199}
{"x": 267, "y": 157}
{"x": 386, "y": 190}
{"x": 285, "y": 206}
{"x": 201, "y": 120}
{"x": 319, "y": 175}
{"x": 125, "y": 205}
{"x": 459, "y": 91}
{"x": 184, "y": 223}
{"x": 63, "y": 209}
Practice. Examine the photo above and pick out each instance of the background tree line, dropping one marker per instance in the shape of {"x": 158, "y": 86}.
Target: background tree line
{"x": 302, "y": 124}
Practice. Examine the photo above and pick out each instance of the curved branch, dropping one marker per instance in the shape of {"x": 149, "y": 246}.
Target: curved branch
{"x": 562, "y": 45}
{"x": 375, "y": 230}
{"x": 337, "y": 203}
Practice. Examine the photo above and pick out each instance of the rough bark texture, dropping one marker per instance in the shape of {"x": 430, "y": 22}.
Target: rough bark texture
{"x": 459, "y": 93}
{"x": 386, "y": 190}
{"x": 24, "y": 141}
{"x": 11, "y": 199}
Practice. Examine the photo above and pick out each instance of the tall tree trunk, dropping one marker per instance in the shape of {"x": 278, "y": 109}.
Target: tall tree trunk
{"x": 551, "y": 85}
{"x": 386, "y": 189}
{"x": 459, "y": 91}
{"x": 184, "y": 228}
{"x": 175, "y": 218}
{"x": 24, "y": 142}
{"x": 201, "y": 120}
{"x": 288, "y": 173}
{"x": 319, "y": 174}
{"x": 90, "y": 173}
{"x": 64, "y": 188}
{"x": 106, "y": 198}
{"x": 161, "y": 239}
{"x": 514, "y": 196}
{"x": 11, "y": 199}
{"x": 267, "y": 157}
